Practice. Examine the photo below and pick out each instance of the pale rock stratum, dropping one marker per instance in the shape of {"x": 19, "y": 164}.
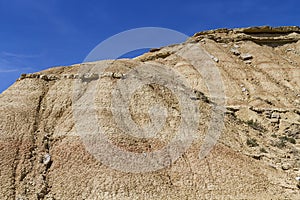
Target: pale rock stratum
{"x": 256, "y": 157}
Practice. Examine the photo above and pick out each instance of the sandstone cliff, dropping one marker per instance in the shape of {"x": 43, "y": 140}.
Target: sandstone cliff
{"x": 256, "y": 157}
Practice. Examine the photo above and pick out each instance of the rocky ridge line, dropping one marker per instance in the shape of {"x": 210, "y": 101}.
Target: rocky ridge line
{"x": 261, "y": 35}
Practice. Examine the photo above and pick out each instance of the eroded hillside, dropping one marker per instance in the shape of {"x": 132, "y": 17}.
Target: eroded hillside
{"x": 256, "y": 157}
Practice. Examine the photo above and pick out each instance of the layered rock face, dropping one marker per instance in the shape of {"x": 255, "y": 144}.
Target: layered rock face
{"x": 256, "y": 156}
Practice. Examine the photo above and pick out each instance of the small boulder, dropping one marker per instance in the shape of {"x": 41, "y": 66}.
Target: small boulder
{"x": 117, "y": 75}
{"x": 32, "y": 76}
{"x": 23, "y": 76}
{"x": 44, "y": 77}
{"x": 235, "y": 52}
{"x": 275, "y": 115}
{"x": 214, "y": 58}
{"x": 286, "y": 166}
{"x": 246, "y": 56}
{"x": 46, "y": 159}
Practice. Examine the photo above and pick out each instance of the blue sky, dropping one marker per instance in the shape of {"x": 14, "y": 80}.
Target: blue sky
{"x": 37, "y": 34}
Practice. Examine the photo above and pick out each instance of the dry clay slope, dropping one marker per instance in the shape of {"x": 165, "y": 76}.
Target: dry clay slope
{"x": 256, "y": 157}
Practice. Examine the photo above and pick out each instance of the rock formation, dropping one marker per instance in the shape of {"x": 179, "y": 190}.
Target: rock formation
{"x": 256, "y": 157}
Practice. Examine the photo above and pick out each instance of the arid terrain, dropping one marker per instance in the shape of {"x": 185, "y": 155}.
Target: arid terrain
{"x": 257, "y": 155}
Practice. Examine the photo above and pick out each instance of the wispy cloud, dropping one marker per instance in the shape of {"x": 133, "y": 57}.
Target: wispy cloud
{"x": 8, "y": 70}
{"x": 13, "y": 62}
{"x": 11, "y": 70}
{"x": 17, "y": 55}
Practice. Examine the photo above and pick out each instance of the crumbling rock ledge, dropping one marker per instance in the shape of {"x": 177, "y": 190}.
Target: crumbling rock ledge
{"x": 84, "y": 77}
{"x": 264, "y": 35}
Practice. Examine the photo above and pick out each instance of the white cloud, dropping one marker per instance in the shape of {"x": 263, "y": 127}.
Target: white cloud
{"x": 17, "y": 55}
{"x": 10, "y": 62}
{"x": 8, "y": 70}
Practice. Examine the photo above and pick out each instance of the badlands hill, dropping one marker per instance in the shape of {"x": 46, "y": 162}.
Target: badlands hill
{"x": 256, "y": 156}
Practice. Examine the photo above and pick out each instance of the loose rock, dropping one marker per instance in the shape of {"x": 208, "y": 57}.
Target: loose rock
{"x": 235, "y": 52}
{"x": 286, "y": 166}
{"x": 275, "y": 115}
{"x": 46, "y": 159}
{"x": 117, "y": 75}
{"x": 214, "y": 58}
{"x": 246, "y": 56}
